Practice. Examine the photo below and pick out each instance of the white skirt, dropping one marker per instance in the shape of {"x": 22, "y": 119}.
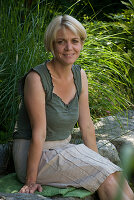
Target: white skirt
{"x": 63, "y": 164}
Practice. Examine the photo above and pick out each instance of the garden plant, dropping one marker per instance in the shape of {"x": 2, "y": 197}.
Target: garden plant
{"x": 107, "y": 57}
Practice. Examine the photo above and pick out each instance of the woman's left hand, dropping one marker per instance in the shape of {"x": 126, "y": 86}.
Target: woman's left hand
{"x": 31, "y": 188}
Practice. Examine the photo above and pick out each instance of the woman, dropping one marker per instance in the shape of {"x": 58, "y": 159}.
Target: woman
{"x": 54, "y": 98}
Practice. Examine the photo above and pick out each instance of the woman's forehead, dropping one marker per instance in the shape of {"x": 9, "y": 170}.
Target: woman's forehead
{"x": 65, "y": 32}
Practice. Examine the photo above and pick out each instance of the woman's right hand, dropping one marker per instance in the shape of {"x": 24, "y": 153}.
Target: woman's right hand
{"x": 31, "y": 188}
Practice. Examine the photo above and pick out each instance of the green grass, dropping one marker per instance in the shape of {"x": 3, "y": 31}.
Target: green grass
{"x": 107, "y": 66}
{"x": 21, "y": 47}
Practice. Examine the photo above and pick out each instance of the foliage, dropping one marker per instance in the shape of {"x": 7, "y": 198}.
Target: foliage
{"x": 90, "y": 8}
{"x": 4, "y": 137}
{"x": 21, "y": 48}
{"x": 107, "y": 66}
{"x": 125, "y": 21}
{"x": 104, "y": 58}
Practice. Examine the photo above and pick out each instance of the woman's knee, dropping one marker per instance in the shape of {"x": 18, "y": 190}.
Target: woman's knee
{"x": 109, "y": 186}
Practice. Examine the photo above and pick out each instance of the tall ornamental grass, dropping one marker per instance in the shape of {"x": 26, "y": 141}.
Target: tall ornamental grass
{"x": 21, "y": 48}
{"x": 107, "y": 66}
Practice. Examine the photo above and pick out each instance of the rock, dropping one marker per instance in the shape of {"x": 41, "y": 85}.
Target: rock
{"x": 19, "y": 196}
{"x": 108, "y": 150}
{"x": 118, "y": 129}
{"x": 105, "y": 147}
{"x": 76, "y": 136}
{"x": 115, "y": 130}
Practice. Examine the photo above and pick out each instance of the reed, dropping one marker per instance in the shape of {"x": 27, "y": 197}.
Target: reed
{"x": 21, "y": 48}
{"x": 107, "y": 66}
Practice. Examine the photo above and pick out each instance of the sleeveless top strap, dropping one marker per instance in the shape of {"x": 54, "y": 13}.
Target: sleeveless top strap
{"x": 77, "y": 78}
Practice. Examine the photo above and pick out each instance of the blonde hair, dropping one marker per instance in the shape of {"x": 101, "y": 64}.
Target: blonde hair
{"x": 57, "y": 23}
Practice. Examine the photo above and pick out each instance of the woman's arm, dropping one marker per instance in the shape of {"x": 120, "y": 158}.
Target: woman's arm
{"x": 85, "y": 122}
{"x": 34, "y": 98}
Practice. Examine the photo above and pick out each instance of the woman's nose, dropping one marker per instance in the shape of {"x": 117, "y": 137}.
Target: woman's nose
{"x": 68, "y": 46}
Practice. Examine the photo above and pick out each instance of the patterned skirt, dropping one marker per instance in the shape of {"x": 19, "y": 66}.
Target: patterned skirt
{"x": 63, "y": 164}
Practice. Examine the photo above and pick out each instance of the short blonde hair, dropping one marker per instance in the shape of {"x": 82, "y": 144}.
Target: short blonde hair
{"x": 57, "y": 23}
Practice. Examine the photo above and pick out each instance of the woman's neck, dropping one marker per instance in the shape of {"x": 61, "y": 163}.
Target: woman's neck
{"x": 60, "y": 70}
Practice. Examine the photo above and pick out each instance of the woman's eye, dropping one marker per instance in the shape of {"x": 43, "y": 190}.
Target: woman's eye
{"x": 75, "y": 41}
{"x": 60, "y": 42}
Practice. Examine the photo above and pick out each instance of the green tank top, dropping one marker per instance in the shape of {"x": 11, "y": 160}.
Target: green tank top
{"x": 60, "y": 117}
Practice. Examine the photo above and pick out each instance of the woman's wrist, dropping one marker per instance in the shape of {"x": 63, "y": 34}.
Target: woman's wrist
{"x": 30, "y": 181}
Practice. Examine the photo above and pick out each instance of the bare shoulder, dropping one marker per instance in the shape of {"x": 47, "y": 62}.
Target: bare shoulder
{"x": 32, "y": 76}
{"x": 83, "y": 74}
{"x": 83, "y": 77}
{"x": 33, "y": 82}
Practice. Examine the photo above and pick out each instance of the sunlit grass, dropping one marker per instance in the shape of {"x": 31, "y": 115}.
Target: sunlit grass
{"x": 107, "y": 67}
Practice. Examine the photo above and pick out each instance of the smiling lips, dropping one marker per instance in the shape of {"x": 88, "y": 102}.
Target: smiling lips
{"x": 68, "y": 55}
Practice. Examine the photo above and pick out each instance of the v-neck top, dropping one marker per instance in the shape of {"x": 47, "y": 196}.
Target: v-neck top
{"x": 60, "y": 117}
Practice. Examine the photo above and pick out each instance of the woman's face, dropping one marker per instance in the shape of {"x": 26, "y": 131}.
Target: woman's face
{"x": 67, "y": 46}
